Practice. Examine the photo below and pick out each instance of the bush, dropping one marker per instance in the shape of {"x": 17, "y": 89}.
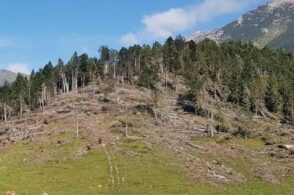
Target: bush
{"x": 242, "y": 132}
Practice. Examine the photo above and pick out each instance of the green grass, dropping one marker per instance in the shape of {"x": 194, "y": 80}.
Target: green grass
{"x": 152, "y": 172}
{"x": 253, "y": 143}
{"x": 63, "y": 172}
{"x": 143, "y": 170}
{"x": 135, "y": 146}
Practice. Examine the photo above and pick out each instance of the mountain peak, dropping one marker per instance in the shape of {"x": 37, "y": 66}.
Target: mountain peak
{"x": 279, "y": 3}
{"x": 270, "y": 25}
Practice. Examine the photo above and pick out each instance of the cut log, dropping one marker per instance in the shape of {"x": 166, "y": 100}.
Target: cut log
{"x": 287, "y": 147}
{"x": 193, "y": 145}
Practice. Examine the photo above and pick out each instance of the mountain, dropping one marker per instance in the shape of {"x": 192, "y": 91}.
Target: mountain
{"x": 270, "y": 25}
{"x": 6, "y": 75}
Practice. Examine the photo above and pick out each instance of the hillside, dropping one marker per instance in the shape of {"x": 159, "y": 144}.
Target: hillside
{"x": 269, "y": 25}
{"x": 177, "y": 118}
{"x": 8, "y": 76}
{"x": 106, "y": 139}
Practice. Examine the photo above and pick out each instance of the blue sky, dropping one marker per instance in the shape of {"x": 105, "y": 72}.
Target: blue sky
{"x": 36, "y": 31}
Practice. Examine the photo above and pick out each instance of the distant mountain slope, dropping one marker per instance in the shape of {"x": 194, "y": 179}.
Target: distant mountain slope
{"x": 8, "y": 76}
{"x": 269, "y": 25}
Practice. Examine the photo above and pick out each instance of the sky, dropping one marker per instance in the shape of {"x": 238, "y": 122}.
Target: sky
{"x": 34, "y": 32}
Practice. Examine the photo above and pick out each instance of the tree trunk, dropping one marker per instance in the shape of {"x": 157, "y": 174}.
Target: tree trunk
{"x": 21, "y": 106}
{"x": 5, "y": 112}
{"x": 114, "y": 70}
{"x": 84, "y": 80}
{"x": 161, "y": 65}
{"x": 139, "y": 65}
{"x": 210, "y": 126}
{"x": 43, "y": 96}
{"x": 76, "y": 80}
{"x": 55, "y": 89}
{"x": 105, "y": 68}
{"x": 63, "y": 83}
{"x": 72, "y": 81}
{"x": 66, "y": 85}
{"x": 122, "y": 78}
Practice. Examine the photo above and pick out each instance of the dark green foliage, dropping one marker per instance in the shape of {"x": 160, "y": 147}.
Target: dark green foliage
{"x": 273, "y": 98}
{"x": 148, "y": 77}
{"x": 194, "y": 82}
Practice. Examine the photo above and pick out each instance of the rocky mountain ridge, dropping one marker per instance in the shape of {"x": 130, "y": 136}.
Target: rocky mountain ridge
{"x": 270, "y": 25}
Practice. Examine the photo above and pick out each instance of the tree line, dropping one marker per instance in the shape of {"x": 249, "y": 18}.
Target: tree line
{"x": 258, "y": 80}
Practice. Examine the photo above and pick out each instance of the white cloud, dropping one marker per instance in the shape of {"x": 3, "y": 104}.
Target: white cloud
{"x": 163, "y": 24}
{"x": 176, "y": 20}
{"x": 19, "y": 68}
{"x": 129, "y": 39}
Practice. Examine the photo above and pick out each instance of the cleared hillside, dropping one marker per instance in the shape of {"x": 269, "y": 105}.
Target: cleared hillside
{"x": 108, "y": 139}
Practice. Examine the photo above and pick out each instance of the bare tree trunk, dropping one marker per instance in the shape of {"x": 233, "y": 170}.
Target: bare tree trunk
{"x": 9, "y": 113}
{"x": 55, "y": 89}
{"x": 43, "y": 96}
{"x": 161, "y": 65}
{"x": 139, "y": 65}
{"x": 114, "y": 70}
{"x": 12, "y": 126}
{"x": 84, "y": 80}
{"x": 210, "y": 126}
{"x": 72, "y": 81}
{"x": 21, "y": 106}
{"x": 64, "y": 83}
{"x": 105, "y": 68}
{"x": 76, "y": 80}
{"x": 122, "y": 78}
{"x": 5, "y": 113}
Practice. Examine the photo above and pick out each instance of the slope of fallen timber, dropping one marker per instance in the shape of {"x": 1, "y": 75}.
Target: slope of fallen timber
{"x": 123, "y": 141}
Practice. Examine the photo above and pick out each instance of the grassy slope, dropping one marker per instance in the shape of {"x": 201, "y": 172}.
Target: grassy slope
{"x": 44, "y": 166}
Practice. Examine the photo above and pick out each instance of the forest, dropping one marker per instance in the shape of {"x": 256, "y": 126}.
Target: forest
{"x": 258, "y": 80}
